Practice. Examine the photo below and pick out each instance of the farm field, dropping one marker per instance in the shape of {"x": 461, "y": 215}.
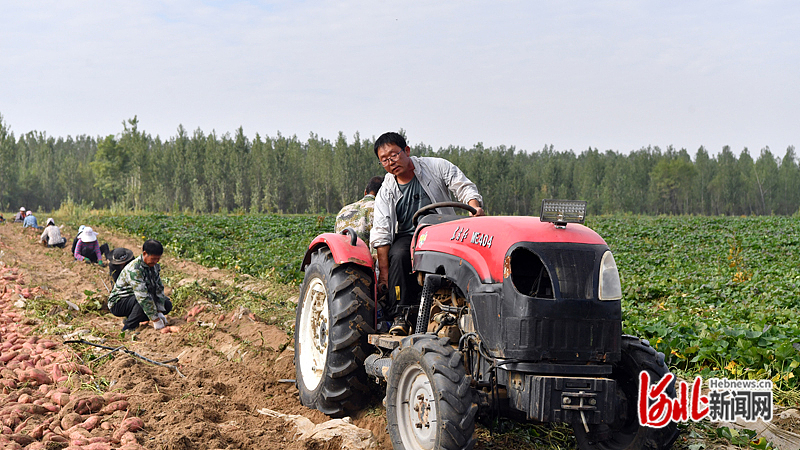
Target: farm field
{"x": 717, "y": 295}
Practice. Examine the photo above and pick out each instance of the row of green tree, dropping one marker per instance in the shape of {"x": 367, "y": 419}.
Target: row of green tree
{"x": 224, "y": 173}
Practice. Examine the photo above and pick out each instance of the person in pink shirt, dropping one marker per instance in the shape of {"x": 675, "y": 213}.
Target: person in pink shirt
{"x": 88, "y": 249}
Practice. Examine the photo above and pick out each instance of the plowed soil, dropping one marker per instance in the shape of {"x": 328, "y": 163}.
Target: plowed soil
{"x": 233, "y": 363}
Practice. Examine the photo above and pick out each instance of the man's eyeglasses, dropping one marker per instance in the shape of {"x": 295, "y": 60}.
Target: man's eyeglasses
{"x": 390, "y": 159}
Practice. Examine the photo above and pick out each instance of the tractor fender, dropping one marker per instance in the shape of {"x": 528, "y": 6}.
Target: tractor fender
{"x": 342, "y": 250}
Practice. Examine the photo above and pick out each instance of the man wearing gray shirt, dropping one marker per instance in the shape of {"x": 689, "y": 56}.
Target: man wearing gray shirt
{"x": 411, "y": 183}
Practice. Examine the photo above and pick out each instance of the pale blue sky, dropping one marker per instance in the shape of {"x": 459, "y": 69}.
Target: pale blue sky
{"x": 615, "y": 75}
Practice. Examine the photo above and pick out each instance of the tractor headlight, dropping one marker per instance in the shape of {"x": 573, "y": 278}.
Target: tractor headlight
{"x": 610, "y": 287}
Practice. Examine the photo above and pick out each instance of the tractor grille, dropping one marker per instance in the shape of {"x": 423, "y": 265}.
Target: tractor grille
{"x": 532, "y": 322}
{"x": 575, "y": 271}
{"x": 560, "y": 339}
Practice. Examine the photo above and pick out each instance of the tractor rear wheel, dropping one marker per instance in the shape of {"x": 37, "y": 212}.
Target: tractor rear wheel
{"x": 625, "y": 433}
{"x": 429, "y": 400}
{"x": 331, "y": 331}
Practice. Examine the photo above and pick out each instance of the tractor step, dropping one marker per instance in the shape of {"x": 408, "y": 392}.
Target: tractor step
{"x": 385, "y": 341}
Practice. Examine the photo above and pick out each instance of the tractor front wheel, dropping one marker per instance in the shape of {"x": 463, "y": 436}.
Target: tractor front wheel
{"x": 331, "y": 330}
{"x": 429, "y": 400}
{"x": 625, "y": 433}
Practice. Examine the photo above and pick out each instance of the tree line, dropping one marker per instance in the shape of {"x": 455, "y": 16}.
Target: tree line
{"x": 199, "y": 172}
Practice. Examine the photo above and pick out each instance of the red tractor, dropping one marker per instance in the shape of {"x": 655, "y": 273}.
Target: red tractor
{"x": 519, "y": 317}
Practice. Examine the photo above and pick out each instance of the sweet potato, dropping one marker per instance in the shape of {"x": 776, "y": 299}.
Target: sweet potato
{"x": 47, "y": 344}
{"x": 52, "y": 407}
{"x": 90, "y": 423}
{"x": 11, "y": 445}
{"x": 79, "y": 442}
{"x": 69, "y": 367}
{"x": 115, "y": 406}
{"x": 128, "y": 438}
{"x": 21, "y": 439}
{"x": 89, "y": 404}
{"x": 130, "y": 424}
{"x": 70, "y": 420}
{"x": 11, "y": 421}
{"x": 98, "y": 446}
{"x": 38, "y": 432}
{"x": 45, "y": 361}
{"x": 37, "y": 376}
{"x": 22, "y": 425}
{"x": 57, "y": 372}
{"x": 111, "y": 397}
{"x": 61, "y": 398}
{"x": 30, "y": 408}
{"x": 6, "y": 357}
{"x": 77, "y": 432}
{"x": 54, "y": 437}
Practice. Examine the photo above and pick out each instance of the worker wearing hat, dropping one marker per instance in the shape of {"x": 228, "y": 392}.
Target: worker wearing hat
{"x": 20, "y": 216}
{"x": 30, "y": 221}
{"x": 87, "y": 249}
{"x": 51, "y": 236}
{"x": 117, "y": 260}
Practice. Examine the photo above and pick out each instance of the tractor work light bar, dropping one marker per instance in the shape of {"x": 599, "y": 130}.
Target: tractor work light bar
{"x": 562, "y": 212}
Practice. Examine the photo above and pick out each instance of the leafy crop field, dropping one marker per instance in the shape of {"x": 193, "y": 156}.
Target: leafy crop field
{"x": 720, "y": 296}
{"x": 259, "y": 245}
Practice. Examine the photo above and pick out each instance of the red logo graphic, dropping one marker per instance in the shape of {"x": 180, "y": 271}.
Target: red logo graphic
{"x": 656, "y": 408}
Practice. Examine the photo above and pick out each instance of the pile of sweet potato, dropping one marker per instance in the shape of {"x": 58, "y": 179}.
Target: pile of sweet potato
{"x": 38, "y": 408}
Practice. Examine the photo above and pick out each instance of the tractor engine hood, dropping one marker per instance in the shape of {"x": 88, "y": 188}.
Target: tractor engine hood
{"x": 484, "y": 241}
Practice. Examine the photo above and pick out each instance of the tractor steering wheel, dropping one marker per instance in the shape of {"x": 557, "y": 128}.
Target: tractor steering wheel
{"x": 431, "y": 209}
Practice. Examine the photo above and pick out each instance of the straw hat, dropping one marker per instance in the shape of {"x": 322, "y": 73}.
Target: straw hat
{"x": 88, "y": 235}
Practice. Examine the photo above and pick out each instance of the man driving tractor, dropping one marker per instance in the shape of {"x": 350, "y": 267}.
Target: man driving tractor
{"x": 411, "y": 183}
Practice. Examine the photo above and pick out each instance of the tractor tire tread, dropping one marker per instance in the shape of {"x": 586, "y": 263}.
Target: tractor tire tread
{"x": 456, "y": 407}
{"x": 343, "y": 387}
{"x": 639, "y": 355}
